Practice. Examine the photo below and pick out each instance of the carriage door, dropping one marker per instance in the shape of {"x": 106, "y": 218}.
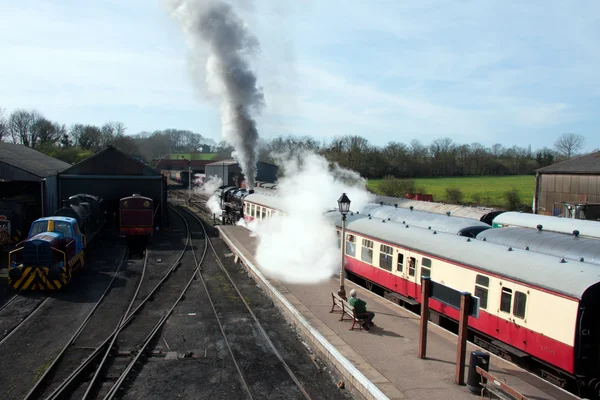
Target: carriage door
{"x": 410, "y": 275}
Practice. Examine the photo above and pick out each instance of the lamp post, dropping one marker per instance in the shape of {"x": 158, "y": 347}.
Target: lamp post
{"x": 189, "y": 178}
{"x": 344, "y": 206}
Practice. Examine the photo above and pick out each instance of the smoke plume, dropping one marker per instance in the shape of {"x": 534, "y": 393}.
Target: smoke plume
{"x": 208, "y": 189}
{"x": 301, "y": 246}
{"x": 221, "y": 43}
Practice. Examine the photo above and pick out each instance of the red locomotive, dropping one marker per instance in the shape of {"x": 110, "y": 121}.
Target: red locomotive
{"x": 136, "y": 219}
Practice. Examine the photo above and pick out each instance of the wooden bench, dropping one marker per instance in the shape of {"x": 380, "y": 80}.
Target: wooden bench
{"x": 347, "y": 309}
{"x": 493, "y": 385}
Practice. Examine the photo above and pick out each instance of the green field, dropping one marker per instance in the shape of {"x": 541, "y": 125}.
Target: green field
{"x": 194, "y": 156}
{"x": 490, "y": 189}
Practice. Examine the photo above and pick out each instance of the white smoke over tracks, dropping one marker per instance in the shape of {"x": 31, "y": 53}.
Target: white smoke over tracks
{"x": 301, "y": 246}
{"x": 213, "y": 26}
{"x": 208, "y": 189}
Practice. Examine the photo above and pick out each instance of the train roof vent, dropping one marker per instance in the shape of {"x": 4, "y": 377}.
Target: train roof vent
{"x": 389, "y": 219}
{"x": 136, "y": 195}
{"x": 396, "y": 205}
{"x": 510, "y": 249}
{"x": 448, "y": 213}
{"x": 526, "y": 247}
{"x": 358, "y": 212}
{"x": 406, "y": 226}
{"x": 484, "y": 239}
{"x": 468, "y": 239}
{"x": 411, "y": 208}
{"x": 435, "y": 232}
{"x": 429, "y": 228}
{"x": 381, "y": 203}
{"x": 562, "y": 260}
{"x": 369, "y": 216}
{"x": 539, "y": 227}
{"x": 383, "y": 221}
{"x": 581, "y": 259}
{"x": 576, "y": 233}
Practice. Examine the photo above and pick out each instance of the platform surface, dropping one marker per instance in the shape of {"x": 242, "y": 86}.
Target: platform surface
{"x": 387, "y": 354}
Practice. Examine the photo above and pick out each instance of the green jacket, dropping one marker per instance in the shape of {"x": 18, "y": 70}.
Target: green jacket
{"x": 359, "y": 305}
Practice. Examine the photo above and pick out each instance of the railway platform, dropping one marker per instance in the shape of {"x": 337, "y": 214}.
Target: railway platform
{"x": 381, "y": 363}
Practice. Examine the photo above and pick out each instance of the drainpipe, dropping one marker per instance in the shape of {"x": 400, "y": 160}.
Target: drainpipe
{"x": 42, "y": 189}
{"x": 535, "y": 193}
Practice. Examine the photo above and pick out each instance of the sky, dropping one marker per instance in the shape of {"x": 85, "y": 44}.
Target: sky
{"x": 474, "y": 71}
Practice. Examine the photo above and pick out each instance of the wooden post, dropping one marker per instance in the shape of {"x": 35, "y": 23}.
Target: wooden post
{"x": 425, "y": 292}
{"x": 463, "y": 325}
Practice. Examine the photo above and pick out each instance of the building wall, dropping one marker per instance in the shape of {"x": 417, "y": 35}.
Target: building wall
{"x": 9, "y": 173}
{"x": 266, "y": 172}
{"x": 566, "y": 188}
{"x": 229, "y": 171}
{"x": 51, "y": 198}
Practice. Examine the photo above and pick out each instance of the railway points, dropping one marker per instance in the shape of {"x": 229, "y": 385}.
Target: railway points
{"x": 384, "y": 364}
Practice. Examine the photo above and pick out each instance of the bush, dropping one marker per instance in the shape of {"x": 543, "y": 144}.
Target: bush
{"x": 513, "y": 200}
{"x": 454, "y": 195}
{"x": 476, "y": 199}
{"x": 395, "y": 187}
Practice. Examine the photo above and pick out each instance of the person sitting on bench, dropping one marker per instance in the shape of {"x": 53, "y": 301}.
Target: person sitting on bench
{"x": 360, "y": 306}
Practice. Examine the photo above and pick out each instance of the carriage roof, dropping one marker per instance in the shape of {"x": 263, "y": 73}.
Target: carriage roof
{"x": 568, "y": 277}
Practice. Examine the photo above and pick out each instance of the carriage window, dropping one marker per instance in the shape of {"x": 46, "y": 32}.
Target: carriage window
{"x": 264, "y": 213}
{"x": 519, "y": 305}
{"x": 351, "y": 245}
{"x": 366, "y": 253}
{"x": 339, "y": 240}
{"x": 411, "y": 266}
{"x": 505, "y": 300}
{"x": 400, "y": 264}
{"x": 386, "y": 256}
{"x": 425, "y": 267}
{"x": 482, "y": 283}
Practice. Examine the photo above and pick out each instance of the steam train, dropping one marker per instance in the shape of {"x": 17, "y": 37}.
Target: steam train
{"x": 54, "y": 248}
{"x": 136, "y": 220}
{"x": 541, "y": 310}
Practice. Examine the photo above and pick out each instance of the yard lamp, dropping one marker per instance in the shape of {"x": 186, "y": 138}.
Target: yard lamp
{"x": 344, "y": 206}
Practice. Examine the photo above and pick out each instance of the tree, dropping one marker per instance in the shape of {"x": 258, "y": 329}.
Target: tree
{"x": 3, "y": 124}
{"x": 21, "y": 127}
{"x": 569, "y": 143}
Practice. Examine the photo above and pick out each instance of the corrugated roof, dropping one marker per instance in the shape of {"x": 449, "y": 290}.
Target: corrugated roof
{"x": 111, "y": 161}
{"x": 586, "y": 228}
{"x": 556, "y": 244}
{"x": 442, "y": 223}
{"x": 223, "y": 162}
{"x": 588, "y": 164}
{"x": 571, "y": 278}
{"x": 30, "y": 160}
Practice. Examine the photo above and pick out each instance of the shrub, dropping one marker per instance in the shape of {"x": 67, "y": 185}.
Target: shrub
{"x": 454, "y": 195}
{"x": 513, "y": 200}
{"x": 476, "y": 199}
{"x": 395, "y": 187}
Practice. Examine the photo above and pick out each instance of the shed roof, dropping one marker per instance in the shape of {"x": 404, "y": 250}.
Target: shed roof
{"x": 175, "y": 164}
{"x": 587, "y": 164}
{"x": 111, "y": 161}
{"x": 570, "y": 278}
{"x": 223, "y": 162}
{"x": 30, "y": 160}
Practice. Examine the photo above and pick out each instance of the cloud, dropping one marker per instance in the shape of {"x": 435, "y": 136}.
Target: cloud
{"x": 488, "y": 72}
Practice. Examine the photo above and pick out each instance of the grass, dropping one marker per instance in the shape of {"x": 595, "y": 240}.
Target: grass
{"x": 490, "y": 189}
{"x": 194, "y": 156}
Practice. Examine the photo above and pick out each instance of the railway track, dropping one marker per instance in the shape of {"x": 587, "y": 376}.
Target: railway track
{"x": 230, "y": 308}
{"x": 93, "y": 376}
{"x": 14, "y": 317}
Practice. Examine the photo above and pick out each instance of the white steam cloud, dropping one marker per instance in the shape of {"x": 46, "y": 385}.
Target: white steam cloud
{"x": 208, "y": 189}
{"x": 221, "y": 44}
{"x": 301, "y": 246}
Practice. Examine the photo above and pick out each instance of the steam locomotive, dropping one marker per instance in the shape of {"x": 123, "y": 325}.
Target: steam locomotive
{"x": 54, "y": 247}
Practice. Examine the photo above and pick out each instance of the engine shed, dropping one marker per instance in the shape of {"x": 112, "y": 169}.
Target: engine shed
{"x": 112, "y": 174}
{"x": 231, "y": 174}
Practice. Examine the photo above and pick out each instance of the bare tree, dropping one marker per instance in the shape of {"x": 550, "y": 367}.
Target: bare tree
{"x": 3, "y": 124}
{"x": 569, "y": 143}
{"x": 20, "y": 127}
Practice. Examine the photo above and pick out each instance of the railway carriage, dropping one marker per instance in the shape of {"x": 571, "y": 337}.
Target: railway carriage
{"x": 534, "y": 307}
{"x": 442, "y": 223}
{"x": 586, "y": 228}
{"x": 539, "y": 309}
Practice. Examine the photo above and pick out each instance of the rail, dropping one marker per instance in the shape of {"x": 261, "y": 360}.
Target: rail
{"x": 495, "y": 386}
